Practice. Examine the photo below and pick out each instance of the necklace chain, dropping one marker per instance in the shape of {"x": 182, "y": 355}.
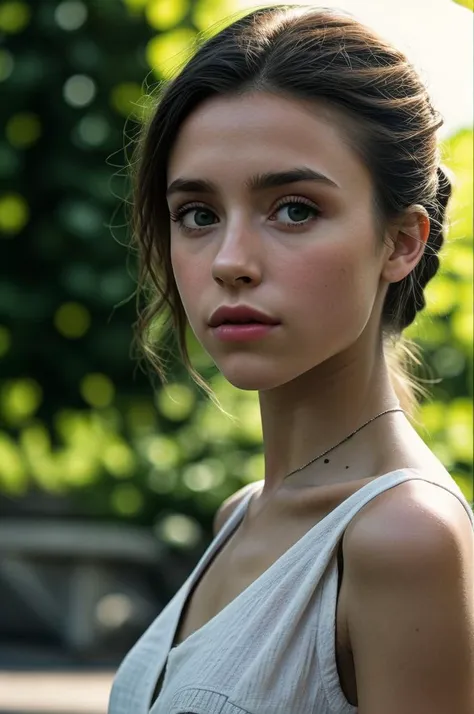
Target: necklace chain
{"x": 300, "y": 468}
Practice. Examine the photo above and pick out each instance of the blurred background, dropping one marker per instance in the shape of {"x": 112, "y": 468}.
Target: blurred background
{"x": 109, "y": 481}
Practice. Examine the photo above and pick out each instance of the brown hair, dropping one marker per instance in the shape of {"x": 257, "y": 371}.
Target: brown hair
{"x": 317, "y": 54}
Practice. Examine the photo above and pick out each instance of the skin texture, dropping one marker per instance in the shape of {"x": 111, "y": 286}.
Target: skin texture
{"x": 321, "y": 372}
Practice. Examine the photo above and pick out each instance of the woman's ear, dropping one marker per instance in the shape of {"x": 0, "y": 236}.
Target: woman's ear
{"x": 409, "y": 236}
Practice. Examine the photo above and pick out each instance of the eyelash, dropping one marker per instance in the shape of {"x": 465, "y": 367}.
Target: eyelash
{"x": 178, "y": 215}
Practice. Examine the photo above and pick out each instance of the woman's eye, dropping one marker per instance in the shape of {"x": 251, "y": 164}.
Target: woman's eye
{"x": 295, "y": 212}
{"x": 194, "y": 218}
{"x": 290, "y": 213}
{"x": 200, "y": 216}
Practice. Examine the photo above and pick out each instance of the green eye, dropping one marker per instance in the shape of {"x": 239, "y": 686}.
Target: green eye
{"x": 193, "y": 218}
{"x": 203, "y": 218}
{"x": 294, "y": 212}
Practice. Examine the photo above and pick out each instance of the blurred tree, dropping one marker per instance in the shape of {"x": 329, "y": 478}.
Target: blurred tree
{"x": 77, "y": 417}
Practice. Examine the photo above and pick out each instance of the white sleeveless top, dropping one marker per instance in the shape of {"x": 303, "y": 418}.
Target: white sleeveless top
{"x": 272, "y": 650}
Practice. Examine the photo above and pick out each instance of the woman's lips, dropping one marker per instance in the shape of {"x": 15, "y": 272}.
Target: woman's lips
{"x": 240, "y": 332}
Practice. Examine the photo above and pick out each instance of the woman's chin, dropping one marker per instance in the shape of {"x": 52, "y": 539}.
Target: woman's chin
{"x": 251, "y": 379}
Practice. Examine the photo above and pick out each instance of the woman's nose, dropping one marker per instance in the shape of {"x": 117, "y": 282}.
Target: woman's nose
{"x": 237, "y": 259}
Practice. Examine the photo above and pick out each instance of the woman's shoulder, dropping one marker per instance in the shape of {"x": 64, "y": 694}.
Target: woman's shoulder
{"x": 428, "y": 499}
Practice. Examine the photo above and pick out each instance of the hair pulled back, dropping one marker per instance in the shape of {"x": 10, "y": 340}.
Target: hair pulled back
{"x": 386, "y": 113}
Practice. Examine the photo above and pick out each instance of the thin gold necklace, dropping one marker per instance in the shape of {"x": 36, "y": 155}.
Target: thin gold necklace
{"x": 300, "y": 468}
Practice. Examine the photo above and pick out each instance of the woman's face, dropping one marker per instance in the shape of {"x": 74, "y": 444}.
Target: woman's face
{"x": 301, "y": 248}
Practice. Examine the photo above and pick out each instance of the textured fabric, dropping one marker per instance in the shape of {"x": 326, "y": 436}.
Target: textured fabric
{"x": 272, "y": 650}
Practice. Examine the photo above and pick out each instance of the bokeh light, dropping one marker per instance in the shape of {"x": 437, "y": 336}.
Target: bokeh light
{"x": 14, "y": 213}
{"x": 127, "y": 500}
{"x": 97, "y": 390}
{"x": 83, "y": 218}
{"x": 72, "y": 320}
{"x": 163, "y": 14}
{"x": 162, "y": 451}
{"x": 23, "y": 130}
{"x": 114, "y": 610}
{"x": 79, "y": 90}
{"x": 14, "y": 16}
{"x": 93, "y": 129}
{"x": 19, "y": 399}
{"x": 204, "y": 476}
{"x": 167, "y": 53}
{"x": 176, "y": 401}
{"x": 125, "y": 99}
{"x": 211, "y": 15}
{"x": 179, "y": 530}
{"x": 119, "y": 459}
{"x": 70, "y": 15}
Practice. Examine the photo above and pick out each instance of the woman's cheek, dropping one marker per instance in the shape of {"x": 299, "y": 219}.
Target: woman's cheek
{"x": 186, "y": 276}
{"x": 329, "y": 294}
{"x": 317, "y": 278}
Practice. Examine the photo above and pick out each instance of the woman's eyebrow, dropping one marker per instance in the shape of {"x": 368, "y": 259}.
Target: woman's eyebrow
{"x": 272, "y": 179}
{"x": 259, "y": 182}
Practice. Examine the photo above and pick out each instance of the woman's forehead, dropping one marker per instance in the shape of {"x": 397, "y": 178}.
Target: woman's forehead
{"x": 261, "y": 133}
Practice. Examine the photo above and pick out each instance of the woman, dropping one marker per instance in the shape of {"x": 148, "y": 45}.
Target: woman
{"x": 290, "y": 207}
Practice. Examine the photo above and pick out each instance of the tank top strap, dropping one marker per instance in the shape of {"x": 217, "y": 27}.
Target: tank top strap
{"x": 326, "y": 632}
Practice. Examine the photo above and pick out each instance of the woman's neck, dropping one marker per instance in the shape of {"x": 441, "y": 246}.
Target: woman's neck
{"x": 315, "y": 411}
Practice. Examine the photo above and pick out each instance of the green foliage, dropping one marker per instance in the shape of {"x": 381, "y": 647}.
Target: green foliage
{"x": 77, "y": 417}
{"x": 445, "y": 329}
{"x": 466, "y": 3}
